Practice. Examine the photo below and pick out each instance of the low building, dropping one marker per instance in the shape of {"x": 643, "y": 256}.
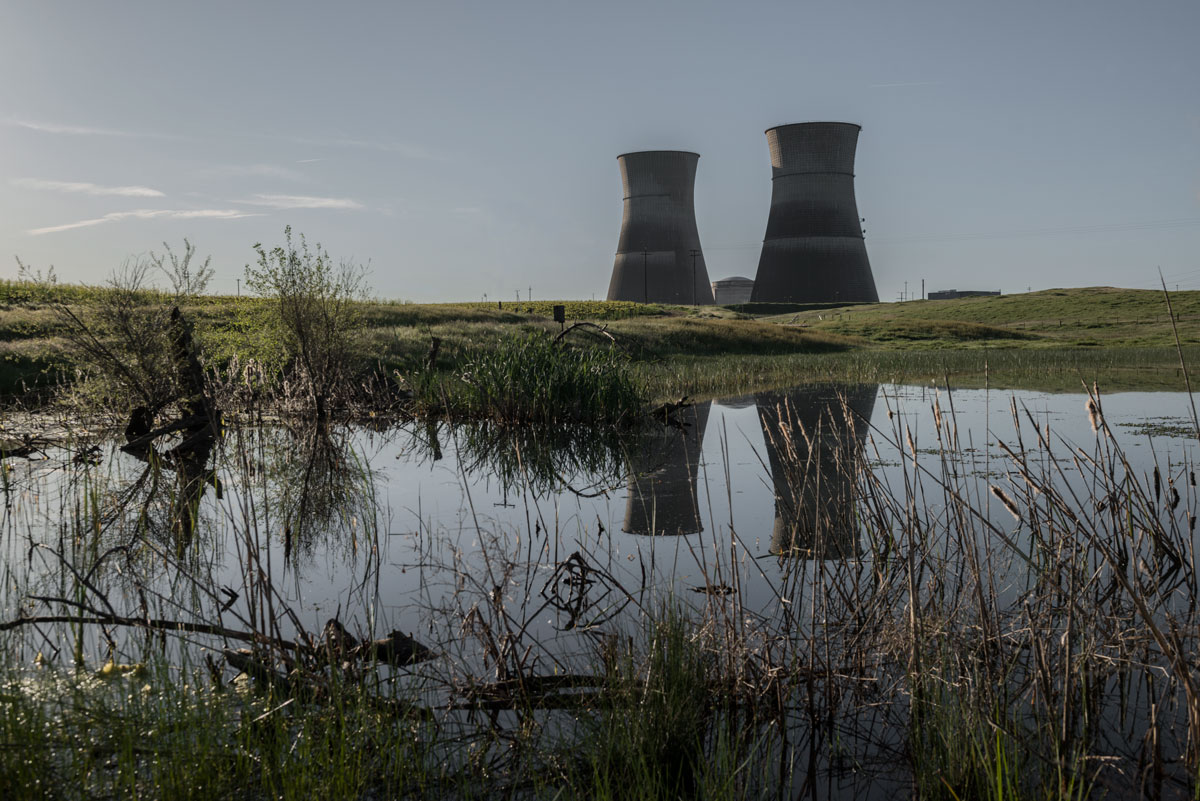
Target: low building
{"x": 729, "y": 291}
{"x": 951, "y": 294}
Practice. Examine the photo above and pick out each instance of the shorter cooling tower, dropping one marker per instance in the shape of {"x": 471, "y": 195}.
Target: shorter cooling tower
{"x": 813, "y": 251}
{"x": 662, "y": 496}
{"x": 658, "y": 254}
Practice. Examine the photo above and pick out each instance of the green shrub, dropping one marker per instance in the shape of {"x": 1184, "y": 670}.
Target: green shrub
{"x": 535, "y": 379}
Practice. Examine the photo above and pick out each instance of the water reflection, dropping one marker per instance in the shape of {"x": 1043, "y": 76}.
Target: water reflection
{"x": 585, "y": 460}
{"x": 172, "y": 509}
{"x": 663, "y": 467}
{"x": 311, "y": 484}
{"x": 814, "y": 436}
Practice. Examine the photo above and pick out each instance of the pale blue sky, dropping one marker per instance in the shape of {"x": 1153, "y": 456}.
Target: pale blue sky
{"x": 470, "y": 148}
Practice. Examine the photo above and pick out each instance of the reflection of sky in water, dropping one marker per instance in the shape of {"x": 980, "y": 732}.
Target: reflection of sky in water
{"x": 455, "y": 542}
{"x": 434, "y": 518}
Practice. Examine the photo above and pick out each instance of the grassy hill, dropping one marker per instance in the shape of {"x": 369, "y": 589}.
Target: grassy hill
{"x": 1052, "y": 338}
{"x": 1085, "y": 317}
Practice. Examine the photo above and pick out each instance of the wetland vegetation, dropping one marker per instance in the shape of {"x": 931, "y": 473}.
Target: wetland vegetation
{"x": 1054, "y": 339}
{"x": 215, "y": 584}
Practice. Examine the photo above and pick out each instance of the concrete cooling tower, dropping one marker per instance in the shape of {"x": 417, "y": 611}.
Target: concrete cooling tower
{"x": 813, "y": 251}
{"x": 813, "y": 447}
{"x": 663, "y": 468}
{"x": 658, "y": 254}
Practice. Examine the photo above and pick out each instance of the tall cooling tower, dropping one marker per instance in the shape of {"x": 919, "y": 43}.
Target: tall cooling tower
{"x": 813, "y": 446}
{"x": 658, "y": 255}
{"x": 813, "y": 251}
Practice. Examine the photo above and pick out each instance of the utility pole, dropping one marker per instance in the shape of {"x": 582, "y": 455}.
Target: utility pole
{"x": 695, "y": 253}
{"x": 529, "y": 295}
{"x": 645, "y": 274}
{"x": 239, "y": 287}
{"x": 922, "y": 289}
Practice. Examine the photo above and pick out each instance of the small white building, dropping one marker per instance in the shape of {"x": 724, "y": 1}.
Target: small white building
{"x": 729, "y": 291}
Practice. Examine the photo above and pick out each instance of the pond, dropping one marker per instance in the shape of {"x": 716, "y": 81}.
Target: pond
{"x": 797, "y": 525}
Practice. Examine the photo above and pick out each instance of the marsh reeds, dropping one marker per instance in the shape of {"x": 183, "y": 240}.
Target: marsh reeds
{"x": 538, "y": 379}
{"x": 927, "y": 620}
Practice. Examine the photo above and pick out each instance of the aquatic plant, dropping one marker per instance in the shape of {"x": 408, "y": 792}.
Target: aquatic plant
{"x": 1037, "y": 641}
{"x": 537, "y": 378}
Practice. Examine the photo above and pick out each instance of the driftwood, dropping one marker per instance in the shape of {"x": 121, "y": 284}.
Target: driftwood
{"x": 586, "y": 326}
{"x": 397, "y": 648}
{"x": 665, "y": 414}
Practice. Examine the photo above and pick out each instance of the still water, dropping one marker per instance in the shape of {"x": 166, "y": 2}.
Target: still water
{"x": 784, "y": 514}
{"x": 379, "y": 528}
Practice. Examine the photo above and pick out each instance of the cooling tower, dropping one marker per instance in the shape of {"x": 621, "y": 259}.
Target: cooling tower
{"x": 662, "y": 495}
{"x": 813, "y": 444}
{"x": 813, "y": 251}
{"x": 658, "y": 255}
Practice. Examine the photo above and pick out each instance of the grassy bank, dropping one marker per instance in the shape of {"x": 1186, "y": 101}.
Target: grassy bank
{"x": 1048, "y": 340}
{"x": 1087, "y": 317}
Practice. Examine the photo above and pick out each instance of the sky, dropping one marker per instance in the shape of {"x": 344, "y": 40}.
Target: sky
{"x": 464, "y": 150}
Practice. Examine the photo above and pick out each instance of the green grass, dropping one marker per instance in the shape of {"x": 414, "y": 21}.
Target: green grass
{"x": 1046, "y": 340}
{"x": 535, "y": 379}
{"x": 167, "y": 735}
{"x": 1080, "y": 317}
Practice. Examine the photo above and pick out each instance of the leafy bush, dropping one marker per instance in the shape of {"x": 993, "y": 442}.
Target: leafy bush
{"x": 315, "y": 309}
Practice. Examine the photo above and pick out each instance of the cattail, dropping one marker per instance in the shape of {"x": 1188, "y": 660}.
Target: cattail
{"x": 1174, "y": 498}
{"x": 937, "y": 413}
{"x": 912, "y": 448}
{"x": 1157, "y": 483}
{"x": 1093, "y": 414}
{"x": 1008, "y": 502}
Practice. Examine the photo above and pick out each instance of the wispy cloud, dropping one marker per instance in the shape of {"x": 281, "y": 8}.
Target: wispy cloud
{"x": 83, "y": 188}
{"x": 303, "y": 202}
{"x": 71, "y": 130}
{"x": 42, "y": 126}
{"x": 147, "y": 214}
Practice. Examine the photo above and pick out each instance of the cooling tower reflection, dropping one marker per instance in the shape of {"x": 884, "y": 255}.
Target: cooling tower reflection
{"x": 814, "y": 436}
{"x": 662, "y": 495}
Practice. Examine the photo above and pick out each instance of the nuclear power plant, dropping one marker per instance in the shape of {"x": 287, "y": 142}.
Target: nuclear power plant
{"x": 658, "y": 254}
{"x": 813, "y": 251}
